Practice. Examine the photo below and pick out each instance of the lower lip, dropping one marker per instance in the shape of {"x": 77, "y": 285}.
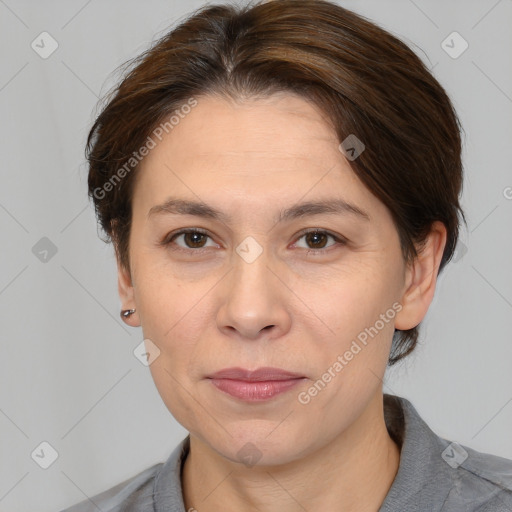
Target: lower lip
{"x": 255, "y": 391}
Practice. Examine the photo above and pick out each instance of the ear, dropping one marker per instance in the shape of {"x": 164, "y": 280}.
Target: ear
{"x": 421, "y": 279}
{"x": 126, "y": 294}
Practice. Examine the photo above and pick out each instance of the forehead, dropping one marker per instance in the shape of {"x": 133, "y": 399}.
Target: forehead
{"x": 280, "y": 127}
{"x": 271, "y": 151}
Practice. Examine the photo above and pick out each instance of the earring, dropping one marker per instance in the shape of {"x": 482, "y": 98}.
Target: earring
{"x": 125, "y": 313}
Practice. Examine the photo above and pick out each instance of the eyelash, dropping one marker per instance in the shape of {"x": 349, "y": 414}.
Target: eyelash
{"x": 168, "y": 240}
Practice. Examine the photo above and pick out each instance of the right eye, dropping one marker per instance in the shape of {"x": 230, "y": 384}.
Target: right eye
{"x": 193, "y": 240}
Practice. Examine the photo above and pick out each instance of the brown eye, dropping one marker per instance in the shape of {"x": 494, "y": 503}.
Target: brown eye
{"x": 187, "y": 239}
{"x": 316, "y": 241}
{"x": 193, "y": 239}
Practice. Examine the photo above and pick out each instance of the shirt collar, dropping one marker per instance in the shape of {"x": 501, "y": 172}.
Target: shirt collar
{"x": 423, "y": 479}
{"x": 167, "y": 493}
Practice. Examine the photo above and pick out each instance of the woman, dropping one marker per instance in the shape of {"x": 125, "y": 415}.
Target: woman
{"x": 281, "y": 184}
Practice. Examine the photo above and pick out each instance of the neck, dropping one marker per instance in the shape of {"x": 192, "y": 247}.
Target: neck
{"x": 351, "y": 473}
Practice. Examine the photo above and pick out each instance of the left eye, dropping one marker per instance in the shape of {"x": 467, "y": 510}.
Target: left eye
{"x": 318, "y": 239}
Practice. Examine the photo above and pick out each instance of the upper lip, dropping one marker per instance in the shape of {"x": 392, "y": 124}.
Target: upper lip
{"x": 260, "y": 374}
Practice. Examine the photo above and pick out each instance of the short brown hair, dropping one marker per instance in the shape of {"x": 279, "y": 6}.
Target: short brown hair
{"x": 366, "y": 81}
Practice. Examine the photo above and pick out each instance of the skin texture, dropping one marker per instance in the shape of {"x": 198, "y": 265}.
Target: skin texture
{"x": 206, "y": 308}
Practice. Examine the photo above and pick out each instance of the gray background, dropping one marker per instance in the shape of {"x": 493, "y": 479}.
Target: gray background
{"x": 69, "y": 376}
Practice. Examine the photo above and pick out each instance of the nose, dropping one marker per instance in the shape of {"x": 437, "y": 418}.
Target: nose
{"x": 254, "y": 300}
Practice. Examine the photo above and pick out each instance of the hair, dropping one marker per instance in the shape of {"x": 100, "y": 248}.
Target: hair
{"x": 366, "y": 81}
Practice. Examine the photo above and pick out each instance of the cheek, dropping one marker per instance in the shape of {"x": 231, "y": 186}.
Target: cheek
{"x": 174, "y": 387}
{"x": 167, "y": 304}
{"x": 349, "y": 299}
{"x": 172, "y": 317}
{"x": 357, "y": 314}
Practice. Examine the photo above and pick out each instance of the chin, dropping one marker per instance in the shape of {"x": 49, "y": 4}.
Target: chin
{"x": 252, "y": 448}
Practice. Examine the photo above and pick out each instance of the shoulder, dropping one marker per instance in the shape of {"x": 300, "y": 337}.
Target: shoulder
{"x": 437, "y": 474}
{"x": 482, "y": 482}
{"x": 133, "y": 494}
{"x": 158, "y": 486}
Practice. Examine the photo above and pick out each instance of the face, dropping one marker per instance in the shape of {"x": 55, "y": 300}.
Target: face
{"x": 256, "y": 280}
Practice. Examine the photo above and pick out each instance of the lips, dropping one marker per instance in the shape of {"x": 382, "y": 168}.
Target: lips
{"x": 258, "y": 375}
{"x": 257, "y": 385}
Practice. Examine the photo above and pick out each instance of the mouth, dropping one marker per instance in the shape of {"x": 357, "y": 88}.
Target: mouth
{"x": 255, "y": 386}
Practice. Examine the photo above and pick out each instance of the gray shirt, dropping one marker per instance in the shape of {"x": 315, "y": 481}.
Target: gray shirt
{"x": 434, "y": 475}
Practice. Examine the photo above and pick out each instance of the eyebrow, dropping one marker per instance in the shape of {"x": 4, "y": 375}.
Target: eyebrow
{"x": 175, "y": 206}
